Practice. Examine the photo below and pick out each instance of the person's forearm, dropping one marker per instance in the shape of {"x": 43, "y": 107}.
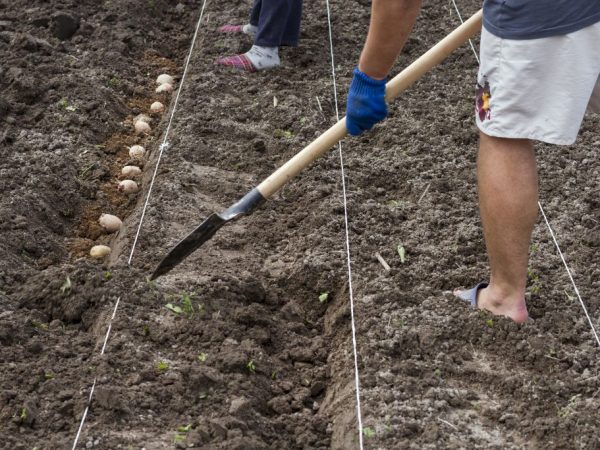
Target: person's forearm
{"x": 391, "y": 24}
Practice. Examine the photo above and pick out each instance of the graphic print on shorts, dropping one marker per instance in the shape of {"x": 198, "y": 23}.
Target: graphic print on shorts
{"x": 482, "y": 101}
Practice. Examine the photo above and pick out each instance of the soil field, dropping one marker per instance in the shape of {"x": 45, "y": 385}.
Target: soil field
{"x": 238, "y": 347}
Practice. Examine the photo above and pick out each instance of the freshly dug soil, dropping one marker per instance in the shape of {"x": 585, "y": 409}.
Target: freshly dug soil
{"x": 237, "y": 347}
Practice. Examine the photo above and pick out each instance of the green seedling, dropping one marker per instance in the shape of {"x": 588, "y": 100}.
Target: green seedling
{"x": 324, "y": 297}
{"x": 400, "y": 323}
{"x": 569, "y": 407}
{"x": 402, "y": 253}
{"x": 146, "y": 330}
{"x": 187, "y": 306}
{"x": 162, "y": 366}
{"x": 283, "y": 134}
{"x": 535, "y": 281}
{"x": 39, "y": 325}
{"x": 251, "y": 366}
{"x": 181, "y": 433}
{"x": 23, "y": 415}
{"x": 64, "y": 103}
{"x": 49, "y": 376}
{"x": 535, "y": 248}
{"x": 186, "y": 301}
{"x": 438, "y": 372}
{"x": 107, "y": 275}
{"x": 394, "y": 204}
{"x": 66, "y": 286}
{"x": 113, "y": 82}
{"x": 85, "y": 171}
{"x": 184, "y": 429}
{"x": 202, "y": 357}
{"x": 490, "y": 323}
{"x": 368, "y": 432}
{"x": 176, "y": 309}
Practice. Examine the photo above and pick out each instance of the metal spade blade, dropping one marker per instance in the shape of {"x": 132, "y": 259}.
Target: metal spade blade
{"x": 206, "y": 230}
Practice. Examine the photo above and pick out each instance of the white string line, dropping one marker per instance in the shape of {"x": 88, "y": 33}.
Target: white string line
{"x": 162, "y": 147}
{"x": 570, "y": 275}
{"x": 165, "y": 143}
{"x": 87, "y": 406}
{"x": 348, "y": 259}
{"x": 462, "y": 21}
{"x": 548, "y": 225}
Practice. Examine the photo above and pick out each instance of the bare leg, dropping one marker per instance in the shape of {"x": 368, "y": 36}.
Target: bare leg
{"x": 508, "y": 194}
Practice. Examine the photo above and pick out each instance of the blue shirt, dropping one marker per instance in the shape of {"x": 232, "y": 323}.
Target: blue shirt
{"x": 532, "y": 19}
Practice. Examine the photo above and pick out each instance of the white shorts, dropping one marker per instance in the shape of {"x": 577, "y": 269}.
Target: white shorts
{"x": 538, "y": 88}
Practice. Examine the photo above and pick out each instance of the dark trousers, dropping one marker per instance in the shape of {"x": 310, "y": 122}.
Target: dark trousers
{"x": 278, "y": 22}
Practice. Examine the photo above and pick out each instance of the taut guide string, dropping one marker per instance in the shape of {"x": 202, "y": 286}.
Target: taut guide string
{"x": 162, "y": 148}
{"x": 346, "y": 227}
{"x": 548, "y": 225}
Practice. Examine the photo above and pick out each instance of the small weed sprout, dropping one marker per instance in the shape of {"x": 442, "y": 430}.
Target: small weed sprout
{"x": 176, "y": 309}
{"x": 39, "y": 325}
{"x": 251, "y": 366}
{"x": 368, "y": 432}
{"x": 202, "y": 357}
{"x": 402, "y": 253}
{"x": 162, "y": 366}
{"x": 180, "y": 434}
{"x": 324, "y": 297}
{"x": 66, "y": 287}
{"x": 399, "y": 323}
{"x": 535, "y": 281}
{"x": 64, "y": 103}
{"x": 23, "y": 415}
{"x": 568, "y": 409}
{"x": 186, "y": 301}
{"x": 490, "y": 323}
{"x": 83, "y": 174}
{"x": 283, "y": 134}
{"x": 187, "y": 305}
{"x": 113, "y": 82}
{"x": 107, "y": 275}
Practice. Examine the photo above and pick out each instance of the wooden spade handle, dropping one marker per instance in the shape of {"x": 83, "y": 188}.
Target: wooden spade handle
{"x": 399, "y": 83}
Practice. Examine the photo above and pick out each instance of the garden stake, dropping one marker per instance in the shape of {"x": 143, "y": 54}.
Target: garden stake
{"x": 319, "y": 146}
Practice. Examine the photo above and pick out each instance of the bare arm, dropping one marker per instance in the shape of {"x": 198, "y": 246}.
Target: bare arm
{"x": 391, "y": 24}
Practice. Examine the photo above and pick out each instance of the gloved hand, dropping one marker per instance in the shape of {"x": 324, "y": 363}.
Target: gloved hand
{"x": 365, "y": 105}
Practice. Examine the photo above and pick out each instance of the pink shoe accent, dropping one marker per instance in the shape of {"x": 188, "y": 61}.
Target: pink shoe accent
{"x": 238, "y": 61}
{"x": 231, "y": 29}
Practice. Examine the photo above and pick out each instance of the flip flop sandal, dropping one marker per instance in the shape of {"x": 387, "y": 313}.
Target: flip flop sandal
{"x": 470, "y": 295}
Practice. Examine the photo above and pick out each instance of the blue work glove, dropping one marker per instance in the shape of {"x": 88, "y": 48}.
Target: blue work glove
{"x": 365, "y": 105}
